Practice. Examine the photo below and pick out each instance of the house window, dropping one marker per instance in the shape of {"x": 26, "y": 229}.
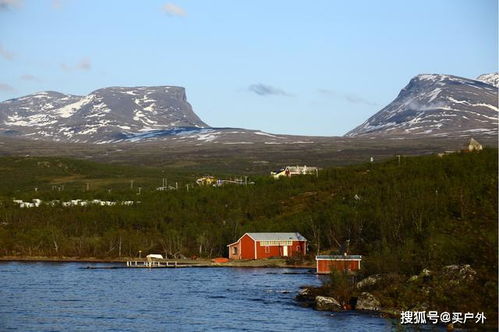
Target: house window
{"x": 267, "y": 249}
{"x": 298, "y": 249}
{"x": 234, "y": 250}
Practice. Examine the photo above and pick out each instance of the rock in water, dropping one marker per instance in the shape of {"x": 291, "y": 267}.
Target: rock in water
{"x": 324, "y": 303}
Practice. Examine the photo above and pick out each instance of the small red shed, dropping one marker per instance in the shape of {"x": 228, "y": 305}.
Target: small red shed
{"x": 327, "y": 263}
{"x": 265, "y": 245}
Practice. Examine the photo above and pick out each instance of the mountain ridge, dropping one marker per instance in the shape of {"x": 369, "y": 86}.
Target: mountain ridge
{"x": 430, "y": 104}
{"x": 106, "y": 114}
{"x": 437, "y": 105}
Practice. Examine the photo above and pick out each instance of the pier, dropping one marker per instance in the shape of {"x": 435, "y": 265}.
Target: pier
{"x": 141, "y": 264}
{"x": 154, "y": 264}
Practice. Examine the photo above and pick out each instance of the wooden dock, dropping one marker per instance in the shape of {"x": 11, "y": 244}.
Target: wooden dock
{"x": 154, "y": 264}
{"x": 143, "y": 265}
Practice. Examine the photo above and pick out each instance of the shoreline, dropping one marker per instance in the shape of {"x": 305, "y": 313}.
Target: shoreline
{"x": 262, "y": 263}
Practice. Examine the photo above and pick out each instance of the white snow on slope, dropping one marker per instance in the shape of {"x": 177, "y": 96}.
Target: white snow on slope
{"x": 492, "y": 79}
{"x": 69, "y": 110}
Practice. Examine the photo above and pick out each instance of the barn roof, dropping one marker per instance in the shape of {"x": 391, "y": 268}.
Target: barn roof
{"x": 272, "y": 237}
{"x": 277, "y": 236}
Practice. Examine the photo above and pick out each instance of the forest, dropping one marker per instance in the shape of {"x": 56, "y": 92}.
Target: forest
{"x": 403, "y": 214}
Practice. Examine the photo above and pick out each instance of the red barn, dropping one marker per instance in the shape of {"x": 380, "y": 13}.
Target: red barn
{"x": 265, "y": 245}
{"x": 327, "y": 263}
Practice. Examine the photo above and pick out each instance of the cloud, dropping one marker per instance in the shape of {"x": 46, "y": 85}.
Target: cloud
{"x": 65, "y": 67}
{"x": 351, "y": 98}
{"x": 6, "y": 88}
{"x": 354, "y": 99}
{"x": 417, "y": 106}
{"x": 57, "y": 4}
{"x": 6, "y": 54}
{"x": 83, "y": 64}
{"x": 9, "y": 4}
{"x": 173, "y": 10}
{"x": 267, "y": 90}
{"x": 29, "y": 77}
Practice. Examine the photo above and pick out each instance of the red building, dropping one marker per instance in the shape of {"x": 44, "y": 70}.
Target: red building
{"x": 265, "y": 245}
{"x": 327, "y": 263}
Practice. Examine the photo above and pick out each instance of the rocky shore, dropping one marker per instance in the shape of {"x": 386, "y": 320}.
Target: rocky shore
{"x": 450, "y": 289}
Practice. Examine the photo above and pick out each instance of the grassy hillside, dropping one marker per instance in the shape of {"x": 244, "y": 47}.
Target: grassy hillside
{"x": 21, "y": 176}
{"x": 254, "y": 159}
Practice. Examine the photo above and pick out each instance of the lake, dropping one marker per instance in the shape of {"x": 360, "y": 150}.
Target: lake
{"x": 65, "y": 297}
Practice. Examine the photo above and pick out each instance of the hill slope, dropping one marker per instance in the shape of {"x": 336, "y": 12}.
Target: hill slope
{"x": 437, "y": 105}
{"x": 104, "y": 115}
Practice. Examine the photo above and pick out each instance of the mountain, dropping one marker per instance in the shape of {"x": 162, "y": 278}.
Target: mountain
{"x": 105, "y": 115}
{"x": 492, "y": 79}
{"x": 438, "y": 105}
{"x": 430, "y": 105}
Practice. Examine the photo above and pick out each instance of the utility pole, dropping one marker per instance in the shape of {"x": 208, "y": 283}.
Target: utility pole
{"x": 131, "y": 184}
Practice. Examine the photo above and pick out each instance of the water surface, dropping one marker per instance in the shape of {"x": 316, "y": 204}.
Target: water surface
{"x": 65, "y": 297}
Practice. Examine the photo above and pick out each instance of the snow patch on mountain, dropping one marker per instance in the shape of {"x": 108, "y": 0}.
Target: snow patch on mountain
{"x": 492, "y": 79}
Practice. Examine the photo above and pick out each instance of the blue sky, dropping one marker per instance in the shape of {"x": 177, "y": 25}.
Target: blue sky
{"x": 283, "y": 66}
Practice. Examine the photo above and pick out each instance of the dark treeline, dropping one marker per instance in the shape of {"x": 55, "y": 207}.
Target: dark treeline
{"x": 402, "y": 215}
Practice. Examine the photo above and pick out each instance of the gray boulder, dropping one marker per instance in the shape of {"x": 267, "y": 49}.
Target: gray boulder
{"x": 367, "y": 301}
{"x": 369, "y": 281}
{"x": 457, "y": 274}
{"x": 305, "y": 294}
{"x": 324, "y": 303}
{"x": 462, "y": 272}
{"x": 425, "y": 273}
{"x": 413, "y": 278}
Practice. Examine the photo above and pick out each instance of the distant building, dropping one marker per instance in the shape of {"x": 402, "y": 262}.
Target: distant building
{"x": 294, "y": 170}
{"x": 265, "y": 245}
{"x": 473, "y": 145}
{"x": 328, "y": 263}
{"x": 206, "y": 181}
{"x": 212, "y": 181}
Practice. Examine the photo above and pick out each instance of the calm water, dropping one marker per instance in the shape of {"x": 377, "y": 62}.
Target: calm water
{"x": 64, "y": 297}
